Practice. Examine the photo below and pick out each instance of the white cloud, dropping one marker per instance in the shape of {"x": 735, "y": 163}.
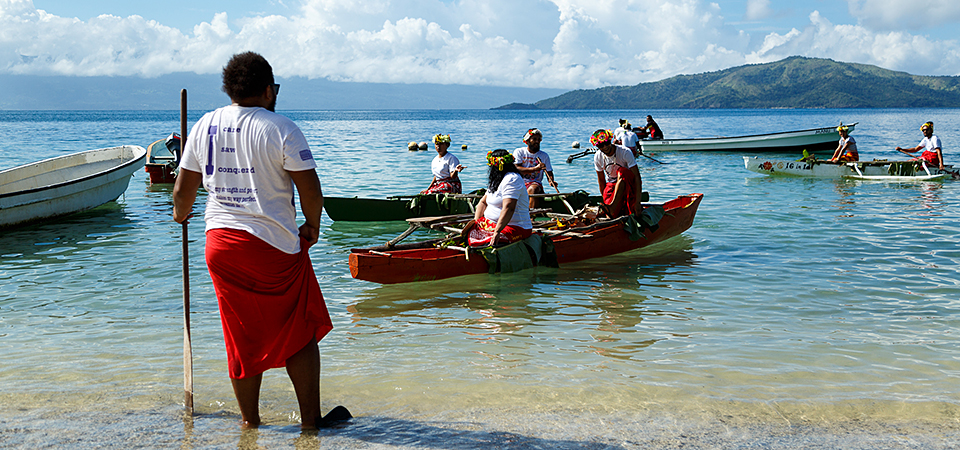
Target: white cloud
{"x": 758, "y": 9}
{"x": 558, "y": 43}
{"x": 890, "y": 15}
{"x": 854, "y": 43}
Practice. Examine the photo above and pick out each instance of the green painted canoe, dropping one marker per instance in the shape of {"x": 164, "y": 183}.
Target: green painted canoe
{"x": 356, "y": 209}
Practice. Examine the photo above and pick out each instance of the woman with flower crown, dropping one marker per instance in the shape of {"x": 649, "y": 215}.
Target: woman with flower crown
{"x": 445, "y": 168}
{"x": 503, "y": 214}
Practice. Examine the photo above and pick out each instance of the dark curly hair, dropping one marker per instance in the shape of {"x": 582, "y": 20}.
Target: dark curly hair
{"x": 495, "y": 175}
{"x": 246, "y": 75}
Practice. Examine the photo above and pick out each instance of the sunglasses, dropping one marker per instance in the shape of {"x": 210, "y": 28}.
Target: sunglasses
{"x": 276, "y": 89}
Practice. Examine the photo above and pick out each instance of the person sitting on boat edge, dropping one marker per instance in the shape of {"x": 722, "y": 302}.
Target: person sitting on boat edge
{"x": 445, "y": 167}
{"x": 532, "y": 163}
{"x": 653, "y": 129}
{"x": 847, "y": 148}
{"x": 502, "y": 216}
{"x": 617, "y": 175}
{"x": 931, "y": 146}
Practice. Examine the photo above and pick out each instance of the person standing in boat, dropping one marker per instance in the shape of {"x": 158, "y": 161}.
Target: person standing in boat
{"x": 847, "y": 148}
{"x": 931, "y": 146}
{"x": 653, "y": 130}
{"x": 532, "y": 163}
{"x": 445, "y": 167}
{"x": 249, "y": 159}
{"x": 617, "y": 175}
{"x": 502, "y": 216}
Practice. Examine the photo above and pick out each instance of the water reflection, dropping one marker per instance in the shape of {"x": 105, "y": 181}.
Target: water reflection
{"x": 60, "y": 238}
{"x": 608, "y": 298}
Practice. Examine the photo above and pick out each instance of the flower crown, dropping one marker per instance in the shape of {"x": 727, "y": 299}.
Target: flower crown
{"x": 600, "y": 137}
{"x": 499, "y": 161}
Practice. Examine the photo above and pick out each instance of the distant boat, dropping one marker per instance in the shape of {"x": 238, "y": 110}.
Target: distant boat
{"x": 66, "y": 184}
{"x": 880, "y": 170}
{"x": 163, "y": 157}
{"x": 812, "y": 140}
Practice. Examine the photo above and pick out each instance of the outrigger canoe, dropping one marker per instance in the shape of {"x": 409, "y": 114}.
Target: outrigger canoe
{"x": 879, "y": 170}
{"x": 431, "y": 260}
{"x": 356, "y": 209}
{"x": 66, "y": 184}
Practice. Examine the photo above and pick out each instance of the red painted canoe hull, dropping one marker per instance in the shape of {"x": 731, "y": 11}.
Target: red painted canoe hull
{"x": 404, "y": 266}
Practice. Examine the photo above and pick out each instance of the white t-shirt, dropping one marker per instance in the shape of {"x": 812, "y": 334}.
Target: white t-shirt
{"x": 243, "y": 154}
{"x": 623, "y": 157}
{"x": 618, "y": 133}
{"x": 931, "y": 144}
{"x": 443, "y": 166}
{"x": 629, "y": 139}
{"x": 512, "y": 186}
{"x": 523, "y": 158}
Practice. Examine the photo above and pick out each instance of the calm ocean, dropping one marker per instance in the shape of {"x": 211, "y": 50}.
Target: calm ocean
{"x": 795, "y": 313}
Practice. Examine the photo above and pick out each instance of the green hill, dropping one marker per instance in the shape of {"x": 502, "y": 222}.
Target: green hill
{"x": 795, "y": 82}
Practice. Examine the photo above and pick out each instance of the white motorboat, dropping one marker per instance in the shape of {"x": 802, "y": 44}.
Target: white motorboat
{"x": 66, "y": 184}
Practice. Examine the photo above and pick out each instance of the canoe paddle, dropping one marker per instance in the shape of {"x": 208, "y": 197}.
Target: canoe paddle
{"x": 187, "y": 344}
{"x": 650, "y": 157}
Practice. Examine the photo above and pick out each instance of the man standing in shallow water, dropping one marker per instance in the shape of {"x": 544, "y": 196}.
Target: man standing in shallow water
{"x": 533, "y": 163}
{"x": 273, "y": 314}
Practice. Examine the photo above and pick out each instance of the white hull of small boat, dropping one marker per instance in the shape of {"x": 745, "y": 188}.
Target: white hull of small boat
{"x": 862, "y": 170}
{"x": 66, "y": 184}
{"x": 812, "y": 140}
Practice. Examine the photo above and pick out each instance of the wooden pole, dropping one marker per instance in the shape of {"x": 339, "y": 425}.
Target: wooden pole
{"x": 187, "y": 345}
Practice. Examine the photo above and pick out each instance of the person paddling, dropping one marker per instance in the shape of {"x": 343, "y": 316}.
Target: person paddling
{"x": 445, "y": 167}
{"x": 847, "y": 147}
{"x": 617, "y": 175}
{"x": 249, "y": 159}
{"x": 931, "y": 146}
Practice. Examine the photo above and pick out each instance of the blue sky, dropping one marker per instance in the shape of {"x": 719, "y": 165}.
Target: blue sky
{"x": 564, "y": 44}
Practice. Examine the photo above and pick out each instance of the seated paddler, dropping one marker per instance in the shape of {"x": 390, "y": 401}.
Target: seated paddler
{"x": 445, "y": 167}
{"x": 617, "y": 175}
{"x": 503, "y": 214}
{"x": 847, "y": 147}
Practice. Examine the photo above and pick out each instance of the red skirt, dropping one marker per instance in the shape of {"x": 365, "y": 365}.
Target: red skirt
{"x": 932, "y": 158}
{"x": 482, "y": 233}
{"x": 270, "y": 301}
{"x": 444, "y": 186}
{"x": 630, "y": 184}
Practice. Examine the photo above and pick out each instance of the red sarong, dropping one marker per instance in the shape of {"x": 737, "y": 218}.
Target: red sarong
{"x": 932, "y": 158}
{"x": 482, "y": 233}
{"x": 630, "y": 190}
{"x": 444, "y": 186}
{"x": 270, "y": 302}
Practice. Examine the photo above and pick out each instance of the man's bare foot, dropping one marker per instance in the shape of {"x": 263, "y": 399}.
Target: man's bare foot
{"x": 249, "y": 424}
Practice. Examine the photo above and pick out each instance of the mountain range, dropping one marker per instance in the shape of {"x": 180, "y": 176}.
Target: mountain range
{"x": 795, "y": 82}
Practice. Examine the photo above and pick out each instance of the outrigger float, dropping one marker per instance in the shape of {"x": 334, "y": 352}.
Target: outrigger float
{"x": 560, "y": 239}
{"x": 878, "y": 170}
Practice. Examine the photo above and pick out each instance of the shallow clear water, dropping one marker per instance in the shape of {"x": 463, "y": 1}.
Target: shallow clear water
{"x": 795, "y": 312}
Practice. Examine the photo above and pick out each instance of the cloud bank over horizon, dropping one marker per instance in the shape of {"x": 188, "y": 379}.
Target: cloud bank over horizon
{"x": 561, "y": 44}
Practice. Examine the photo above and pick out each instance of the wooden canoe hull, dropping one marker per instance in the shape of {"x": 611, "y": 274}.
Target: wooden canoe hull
{"x": 67, "y": 184}
{"x": 404, "y": 266}
{"x": 812, "y": 140}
